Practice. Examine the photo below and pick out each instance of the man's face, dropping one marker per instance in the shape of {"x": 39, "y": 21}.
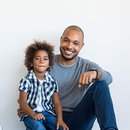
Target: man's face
{"x": 71, "y": 43}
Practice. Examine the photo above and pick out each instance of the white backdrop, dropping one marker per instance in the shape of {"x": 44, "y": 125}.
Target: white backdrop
{"x": 106, "y": 24}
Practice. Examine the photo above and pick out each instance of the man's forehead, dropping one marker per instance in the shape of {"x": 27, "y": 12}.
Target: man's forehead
{"x": 73, "y": 34}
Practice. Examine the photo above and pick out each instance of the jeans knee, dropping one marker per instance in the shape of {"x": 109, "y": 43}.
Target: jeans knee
{"x": 101, "y": 85}
{"x": 34, "y": 125}
{"x": 39, "y": 127}
{"x": 101, "y": 88}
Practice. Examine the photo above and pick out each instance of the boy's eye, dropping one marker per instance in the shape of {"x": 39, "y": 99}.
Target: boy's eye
{"x": 37, "y": 58}
{"x": 46, "y": 59}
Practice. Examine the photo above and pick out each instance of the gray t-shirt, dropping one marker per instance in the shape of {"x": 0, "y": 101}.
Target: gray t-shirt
{"x": 68, "y": 77}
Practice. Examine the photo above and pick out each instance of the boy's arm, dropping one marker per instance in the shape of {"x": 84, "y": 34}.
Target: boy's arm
{"x": 57, "y": 105}
{"x": 26, "y": 108}
{"x": 23, "y": 104}
{"x": 58, "y": 110}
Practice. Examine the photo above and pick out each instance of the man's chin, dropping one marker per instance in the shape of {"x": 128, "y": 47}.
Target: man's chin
{"x": 68, "y": 58}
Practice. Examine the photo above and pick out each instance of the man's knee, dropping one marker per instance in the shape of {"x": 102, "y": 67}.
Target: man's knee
{"x": 101, "y": 85}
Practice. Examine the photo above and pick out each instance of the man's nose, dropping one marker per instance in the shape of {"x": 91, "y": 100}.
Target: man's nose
{"x": 70, "y": 45}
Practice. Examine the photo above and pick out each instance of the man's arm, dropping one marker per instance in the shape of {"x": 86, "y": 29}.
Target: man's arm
{"x": 102, "y": 75}
{"x": 94, "y": 75}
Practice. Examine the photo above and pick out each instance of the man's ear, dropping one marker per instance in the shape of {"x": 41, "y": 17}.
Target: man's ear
{"x": 82, "y": 45}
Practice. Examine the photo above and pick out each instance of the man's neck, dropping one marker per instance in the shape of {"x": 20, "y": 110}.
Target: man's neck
{"x": 66, "y": 62}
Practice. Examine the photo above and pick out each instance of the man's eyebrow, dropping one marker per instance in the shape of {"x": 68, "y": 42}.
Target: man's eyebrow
{"x": 65, "y": 38}
{"x": 70, "y": 39}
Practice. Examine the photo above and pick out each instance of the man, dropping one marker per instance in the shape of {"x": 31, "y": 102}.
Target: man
{"x": 83, "y": 85}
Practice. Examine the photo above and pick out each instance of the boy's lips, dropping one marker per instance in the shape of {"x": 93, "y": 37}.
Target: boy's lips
{"x": 41, "y": 66}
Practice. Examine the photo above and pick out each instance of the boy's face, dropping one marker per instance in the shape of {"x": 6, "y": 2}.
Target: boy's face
{"x": 40, "y": 61}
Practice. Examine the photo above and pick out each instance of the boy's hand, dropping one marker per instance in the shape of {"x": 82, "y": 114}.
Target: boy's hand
{"x": 38, "y": 116}
{"x": 62, "y": 124}
{"x": 20, "y": 112}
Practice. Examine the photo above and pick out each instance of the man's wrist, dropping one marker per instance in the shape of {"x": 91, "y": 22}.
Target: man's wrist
{"x": 96, "y": 77}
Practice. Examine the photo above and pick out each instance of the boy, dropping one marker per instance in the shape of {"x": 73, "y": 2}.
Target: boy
{"x": 39, "y": 91}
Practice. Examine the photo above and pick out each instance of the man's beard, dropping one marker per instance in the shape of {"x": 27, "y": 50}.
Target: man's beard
{"x": 67, "y": 58}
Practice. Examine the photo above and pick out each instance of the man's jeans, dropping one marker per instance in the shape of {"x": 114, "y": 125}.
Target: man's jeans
{"x": 97, "y": 102}
{"x": 48, "y": 124}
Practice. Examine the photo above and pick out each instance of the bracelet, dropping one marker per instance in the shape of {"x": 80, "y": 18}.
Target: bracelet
{"x": 96, "y": 73}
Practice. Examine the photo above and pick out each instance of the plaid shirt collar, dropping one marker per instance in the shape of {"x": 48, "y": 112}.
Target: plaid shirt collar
{"x": 31, "y": 76}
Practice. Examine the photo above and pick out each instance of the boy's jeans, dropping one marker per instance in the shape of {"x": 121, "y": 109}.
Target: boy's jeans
{"x": 48, "y": 124}
{"x": 97, "y": 102}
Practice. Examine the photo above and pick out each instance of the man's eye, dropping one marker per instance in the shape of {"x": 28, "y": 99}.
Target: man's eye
{"x": 66, "y": 40}
{"x": 76, "y": 43}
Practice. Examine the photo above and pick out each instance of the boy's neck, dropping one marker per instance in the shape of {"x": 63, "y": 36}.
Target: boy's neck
{"x": 40, "y": 76}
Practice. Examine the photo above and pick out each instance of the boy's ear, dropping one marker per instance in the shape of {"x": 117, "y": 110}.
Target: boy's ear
{"x": 31, "y": 64}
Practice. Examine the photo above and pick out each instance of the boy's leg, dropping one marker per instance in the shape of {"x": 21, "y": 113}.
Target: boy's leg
{"x": 96, "y": 103}
{"x": 32, "y": 124}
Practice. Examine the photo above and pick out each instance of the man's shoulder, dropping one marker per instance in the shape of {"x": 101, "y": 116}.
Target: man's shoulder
{"x": 56, "y": 56}
{"x": 82, "y": 60}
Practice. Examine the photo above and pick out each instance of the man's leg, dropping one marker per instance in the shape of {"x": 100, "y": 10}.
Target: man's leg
{"x": 96, "y": 103}
{"x": 104, "y": 107}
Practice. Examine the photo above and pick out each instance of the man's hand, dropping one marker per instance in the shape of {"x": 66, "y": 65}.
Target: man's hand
{"x": 87, "y": 78}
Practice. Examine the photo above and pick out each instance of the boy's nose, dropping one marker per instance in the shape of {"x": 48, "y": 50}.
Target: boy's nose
{"x": 41, "y": 60}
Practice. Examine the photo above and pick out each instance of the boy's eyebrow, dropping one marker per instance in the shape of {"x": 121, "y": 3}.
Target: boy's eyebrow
{"x": 39, "y": 56}
{"x": 46, "y": 56}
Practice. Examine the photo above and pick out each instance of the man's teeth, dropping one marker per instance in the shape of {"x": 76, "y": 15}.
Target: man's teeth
{"x": 68, "y": 52}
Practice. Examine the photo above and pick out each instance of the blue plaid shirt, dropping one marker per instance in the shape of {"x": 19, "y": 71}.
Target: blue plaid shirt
{"x": 31, "y": 85}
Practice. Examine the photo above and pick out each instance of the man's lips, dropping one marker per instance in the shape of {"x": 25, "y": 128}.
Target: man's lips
{"x": 68, "y": 52}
